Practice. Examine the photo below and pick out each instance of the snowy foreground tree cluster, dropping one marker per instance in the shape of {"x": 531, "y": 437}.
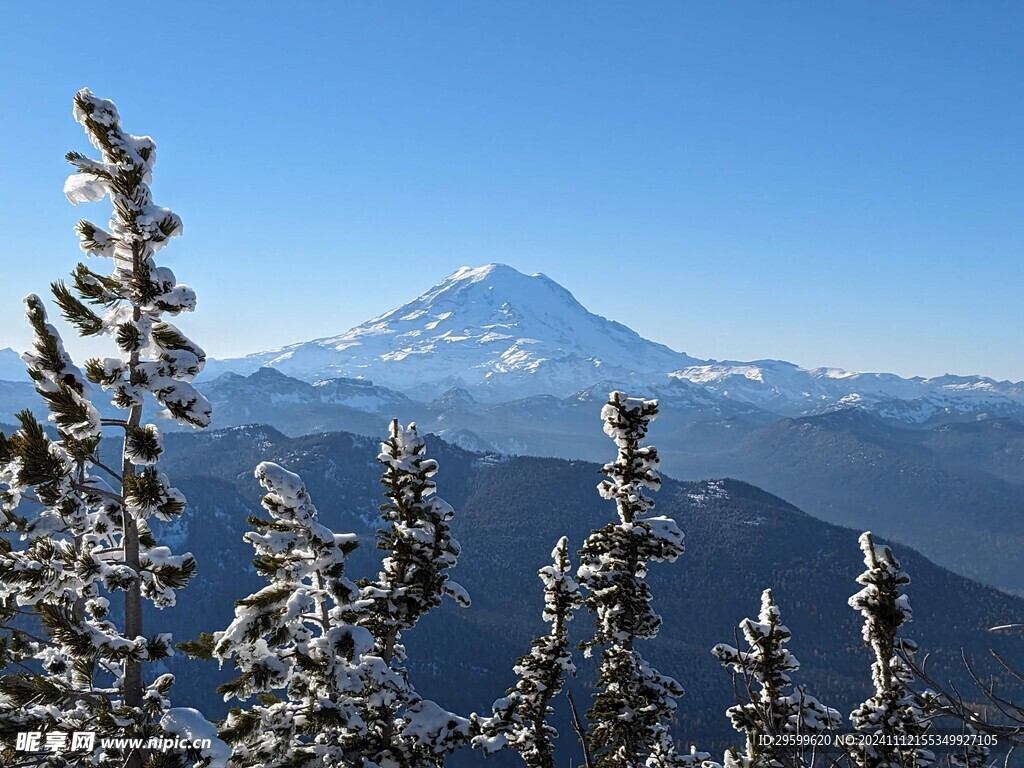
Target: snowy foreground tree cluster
{"x": 321, "y": 661}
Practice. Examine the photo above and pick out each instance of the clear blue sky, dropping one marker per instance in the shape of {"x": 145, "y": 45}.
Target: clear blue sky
{"x": 832, "y": 183}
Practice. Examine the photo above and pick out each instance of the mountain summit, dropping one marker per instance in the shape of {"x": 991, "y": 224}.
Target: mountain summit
{"x": 11, "y": 366}
{"x": 491, "y": 329}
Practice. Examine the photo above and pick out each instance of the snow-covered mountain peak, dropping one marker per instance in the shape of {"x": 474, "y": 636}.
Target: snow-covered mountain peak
{"x": 784, "y": 388}
{"x": 503, "y": 276}
{"x": 495, "y": 297}
{"x": 492, "y": 329}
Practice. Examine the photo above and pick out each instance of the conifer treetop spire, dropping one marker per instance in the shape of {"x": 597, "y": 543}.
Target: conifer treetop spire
{"x": 404, "y": 730}
{"x": 291, "y": 642}
{"x": 629, "y": 719}
{"x": 418, "y": 539}
{"x": 519, "y": 720}
{"x": 130, "y": 302}
{"x": 895, "y": 711}
{"x": 626, "y": 421}
{"x": 774, "y": 709}
{"x": 124, "y": 172}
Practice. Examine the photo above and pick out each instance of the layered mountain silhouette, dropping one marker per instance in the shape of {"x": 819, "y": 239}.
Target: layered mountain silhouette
{"x": 502, "y": 335}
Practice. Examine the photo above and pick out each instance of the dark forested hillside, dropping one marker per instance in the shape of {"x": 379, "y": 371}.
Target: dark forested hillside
{"x": 510, "y": 512}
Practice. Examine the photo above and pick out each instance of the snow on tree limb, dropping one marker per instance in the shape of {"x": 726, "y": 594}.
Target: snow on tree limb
{"x": 419, "y": 550}
{"x": 774, "y": 707}
{"x": 295, "y": 650}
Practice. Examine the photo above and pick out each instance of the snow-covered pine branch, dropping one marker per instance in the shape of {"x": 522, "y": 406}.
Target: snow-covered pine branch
{"x": 775, "y": 707}
{"x": 895, "y": 710}
{"x": 90, "y": 534}
{"x": 296, "y": 653}
{"x": 403, "y": 730}
{"x": 629, "y": 720}
{"x": 519, "y": 719}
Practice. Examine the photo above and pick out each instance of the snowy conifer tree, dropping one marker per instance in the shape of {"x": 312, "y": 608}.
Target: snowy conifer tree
{"x": 629, "y": 720}
{"x": 895, "y": 710}
{"x": 775, "y": 707}
{"x": 90, "y": 533}
{"x": 519, "y": 720}
{"x": 404, "y": 730}
{"x": 296, "y": 653}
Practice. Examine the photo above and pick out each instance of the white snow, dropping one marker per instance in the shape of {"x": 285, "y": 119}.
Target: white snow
{"x": 188, "y": 723}
{"x": 430, "y": 724}
{"x": 81, "y": 188}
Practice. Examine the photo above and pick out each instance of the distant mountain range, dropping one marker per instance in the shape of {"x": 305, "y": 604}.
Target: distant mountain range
{"x": 502, "y": 335}
{"x": 500, "y": 364}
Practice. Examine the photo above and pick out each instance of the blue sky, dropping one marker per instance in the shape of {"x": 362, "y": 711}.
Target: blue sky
{"x": 829, "y": 183}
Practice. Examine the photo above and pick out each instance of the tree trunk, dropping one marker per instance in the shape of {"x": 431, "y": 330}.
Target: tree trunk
{"x": 133, "y": 683}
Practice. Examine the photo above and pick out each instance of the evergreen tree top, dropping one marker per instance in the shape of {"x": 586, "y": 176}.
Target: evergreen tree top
{"x": 418, "y": 541}
{"x": 768, "y": 661}
{"x": 895, "y": 710}
{"x": 634, "y": 702}
{"x": 881, "y": 602}
{"x": 626, "y": 421}
{"x": 519, "y": 720}
{"x": 129, "y": 303}
{"x": 561, "y": 592}
{"x": 772, "y": 708}
{"x": 296, "y": 651}
{"x": 124, "y": 172}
